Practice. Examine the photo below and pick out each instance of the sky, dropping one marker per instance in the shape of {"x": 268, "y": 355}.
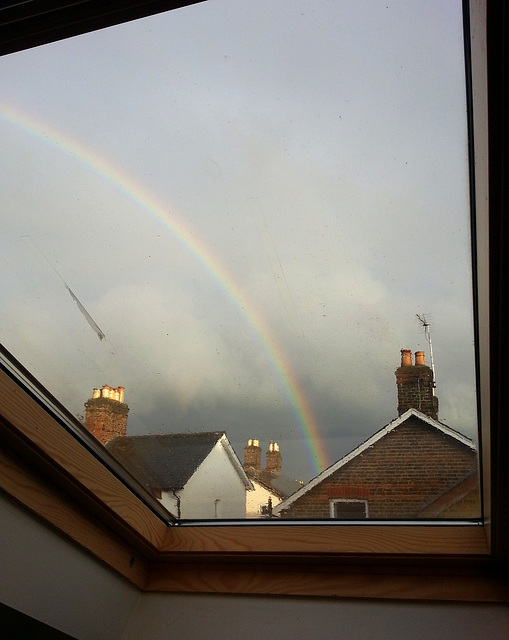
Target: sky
{"x": 251, "y": 202}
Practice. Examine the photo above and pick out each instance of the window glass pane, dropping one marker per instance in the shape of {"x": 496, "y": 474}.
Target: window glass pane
{"x": 349, "y": 509}
{"x": 236, "y": 244}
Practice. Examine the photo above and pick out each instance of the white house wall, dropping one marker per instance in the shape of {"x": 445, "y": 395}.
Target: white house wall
{"x": 169, "y": 501}
{"x": 215, "y": 479}
{"x": 258, "y": 497}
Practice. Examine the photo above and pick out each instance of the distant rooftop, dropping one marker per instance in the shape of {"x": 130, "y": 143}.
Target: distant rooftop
{"x": 282, "y": 485}
{"x": 164, "y": 461}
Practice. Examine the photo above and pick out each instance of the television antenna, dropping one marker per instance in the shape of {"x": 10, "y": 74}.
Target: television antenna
{"x": 427, "y": 333}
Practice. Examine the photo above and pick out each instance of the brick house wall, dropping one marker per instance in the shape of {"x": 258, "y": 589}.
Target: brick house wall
{"x": 399, "y": 475}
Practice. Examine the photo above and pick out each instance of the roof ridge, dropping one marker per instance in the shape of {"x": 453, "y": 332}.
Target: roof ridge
{"x": 165, "y": 435}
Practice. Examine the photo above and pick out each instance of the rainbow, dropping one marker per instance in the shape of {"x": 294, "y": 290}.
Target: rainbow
{"x": 299, "y": 404}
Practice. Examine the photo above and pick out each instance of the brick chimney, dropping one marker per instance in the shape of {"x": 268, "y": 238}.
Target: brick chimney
{"x": 416, "y": 385}
{"x": 106, "y": 413}
{"x": 252, "y": 456}
{"x": 273, "y": 459}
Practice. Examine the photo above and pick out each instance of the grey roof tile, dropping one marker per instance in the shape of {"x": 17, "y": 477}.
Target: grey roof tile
{"x": 164, "y": 461}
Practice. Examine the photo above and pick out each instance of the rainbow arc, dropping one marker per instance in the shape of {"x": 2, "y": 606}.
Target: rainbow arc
{"x": 203, "y": 254}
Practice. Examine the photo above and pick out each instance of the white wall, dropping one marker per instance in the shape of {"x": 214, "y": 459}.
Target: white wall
{"x": 193, "y": 617}
{"x": 215, "y": 479}
{"x": 257, "y": 498}
{"x": 47, "y": 578}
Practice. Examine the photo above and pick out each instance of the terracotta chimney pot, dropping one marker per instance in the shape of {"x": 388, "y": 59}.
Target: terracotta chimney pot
{"x": 406, "y": 358}
{"x": 419, "y": 358}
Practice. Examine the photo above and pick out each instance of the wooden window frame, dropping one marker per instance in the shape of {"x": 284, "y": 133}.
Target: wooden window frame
{"x": 45, "y": 468}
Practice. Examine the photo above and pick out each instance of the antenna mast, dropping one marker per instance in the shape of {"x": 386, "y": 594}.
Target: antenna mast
{"x": 427, "y": 332}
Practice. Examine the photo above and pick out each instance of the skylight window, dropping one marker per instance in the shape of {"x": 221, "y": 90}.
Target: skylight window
{"x": 220, "y": 227}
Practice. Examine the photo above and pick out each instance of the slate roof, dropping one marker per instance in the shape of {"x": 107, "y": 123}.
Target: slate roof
{"x": 164, "y": 461}
{"x": 282, "y": 486}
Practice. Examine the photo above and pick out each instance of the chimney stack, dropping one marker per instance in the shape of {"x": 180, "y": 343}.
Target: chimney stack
{"x": 273, "y": 459}
{"x": 416, "y": 385}
{"x": 106, "y": 413}
{"x": 252, "y": 456}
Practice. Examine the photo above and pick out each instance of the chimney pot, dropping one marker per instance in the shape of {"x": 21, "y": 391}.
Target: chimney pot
{"x": 419, "y": 358}
{"x": 406, "y": 358}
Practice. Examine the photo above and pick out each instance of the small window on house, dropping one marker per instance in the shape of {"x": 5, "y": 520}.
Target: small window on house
{"x": 349, "y": 509}
{"x": 226, "y": 230}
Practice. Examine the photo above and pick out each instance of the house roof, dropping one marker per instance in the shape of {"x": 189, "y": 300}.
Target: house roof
{"x": 168, "y": 461}
{"x": 450, "y": 497}
{"x": 280, "y": 485}
{"x": 411, "y": 413}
